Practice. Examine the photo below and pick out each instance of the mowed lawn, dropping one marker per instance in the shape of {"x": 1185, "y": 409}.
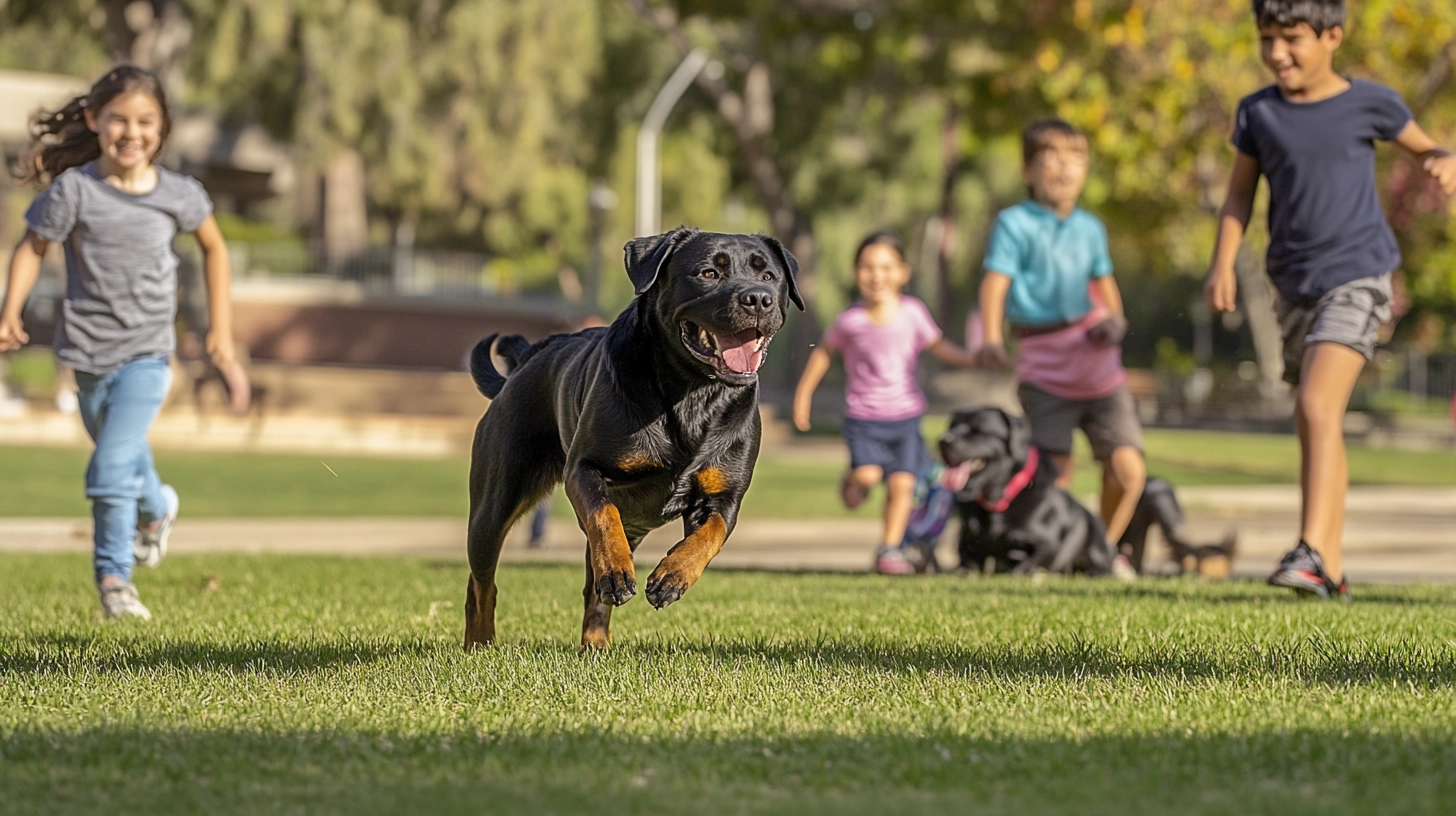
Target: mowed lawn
{"x": 787, "y": 483}
{"x": 291, "y": 684}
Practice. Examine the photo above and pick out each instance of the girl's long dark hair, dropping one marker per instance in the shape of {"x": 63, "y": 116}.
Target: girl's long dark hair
{"x": 62, "y": 140}
{"x": 882, "y": 238}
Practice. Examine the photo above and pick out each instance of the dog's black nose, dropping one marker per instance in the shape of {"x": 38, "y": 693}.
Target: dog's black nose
{"x": 757, "y": 300}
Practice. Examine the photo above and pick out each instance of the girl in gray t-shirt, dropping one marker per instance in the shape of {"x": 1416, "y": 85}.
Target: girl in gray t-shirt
{"x": 115, "y": 211}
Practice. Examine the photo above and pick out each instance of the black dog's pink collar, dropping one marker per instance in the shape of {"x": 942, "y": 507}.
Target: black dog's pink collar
{"x": 1017, "y": 484}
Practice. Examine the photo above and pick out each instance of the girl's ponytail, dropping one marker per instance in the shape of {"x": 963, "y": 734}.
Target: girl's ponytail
{"x": 62, "y": 140}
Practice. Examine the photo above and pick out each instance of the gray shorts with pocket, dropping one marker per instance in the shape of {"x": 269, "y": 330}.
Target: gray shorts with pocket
{"x": 1350, "y": 314}
{"x": 1110, "y": 422}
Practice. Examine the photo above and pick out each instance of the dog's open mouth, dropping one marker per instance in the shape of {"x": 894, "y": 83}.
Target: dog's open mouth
{"x": 955, "y": 478}
{"x": 736, "y": 356}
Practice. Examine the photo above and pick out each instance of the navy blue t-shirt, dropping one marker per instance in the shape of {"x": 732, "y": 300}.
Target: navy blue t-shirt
{"x": 1326, "y": 227}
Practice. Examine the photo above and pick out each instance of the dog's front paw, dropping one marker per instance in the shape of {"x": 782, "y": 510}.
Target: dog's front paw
{"x": 664, "y": 587}
{"x": 616, "y": 587}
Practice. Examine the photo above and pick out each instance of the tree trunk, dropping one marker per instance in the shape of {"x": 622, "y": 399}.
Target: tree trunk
{"x": 1260, "y": 308}
{"x": 345, "y": 215}
{"x": 151, "y": 34}
{"x": 751, "y": 117}
{"x": 950, "y": 163}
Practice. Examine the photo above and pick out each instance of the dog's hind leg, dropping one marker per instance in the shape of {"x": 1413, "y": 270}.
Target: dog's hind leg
{"x": 504, "y": 484}
{"x": 596, "y": 622}
{"x": 479, "y": 614}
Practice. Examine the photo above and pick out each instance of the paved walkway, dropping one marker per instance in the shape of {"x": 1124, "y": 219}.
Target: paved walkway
{"x": 1393, "y": 534}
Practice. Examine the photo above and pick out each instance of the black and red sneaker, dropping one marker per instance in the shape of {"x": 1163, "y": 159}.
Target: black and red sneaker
{"x": 1302, "y": 570}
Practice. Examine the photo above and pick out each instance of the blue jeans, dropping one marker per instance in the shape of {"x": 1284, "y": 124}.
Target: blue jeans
{"x": 121, "y": 482}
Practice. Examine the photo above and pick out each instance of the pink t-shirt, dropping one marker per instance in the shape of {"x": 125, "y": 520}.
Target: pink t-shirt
{"x": 1068, "y": 364}
{"x": 880, "y": 360}
{"x": 1065, "y": 363}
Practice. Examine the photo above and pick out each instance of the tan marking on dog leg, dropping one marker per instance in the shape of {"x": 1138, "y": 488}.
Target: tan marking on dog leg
{"x": 596, "y": 622}
{"x": 684, "y": 563}
{"x": 637, "y": 460}
{"x": 610, "y": 556}
{"x": 479, "y": 615}
{"x": 712, "y": 480}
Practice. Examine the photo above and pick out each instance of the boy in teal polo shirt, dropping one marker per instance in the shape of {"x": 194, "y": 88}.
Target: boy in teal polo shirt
{"x": 1048, "y": 271}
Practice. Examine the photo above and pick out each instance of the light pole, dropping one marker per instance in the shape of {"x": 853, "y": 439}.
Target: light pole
{"x": 649, "y": 184}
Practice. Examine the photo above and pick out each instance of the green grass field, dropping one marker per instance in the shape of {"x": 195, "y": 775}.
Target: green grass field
{"x": 47, "y": 481}
{"x": 314, "y": 685}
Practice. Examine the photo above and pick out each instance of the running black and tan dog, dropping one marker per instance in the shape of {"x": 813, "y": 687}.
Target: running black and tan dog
{"x": 648, "y": 420}
{"x": 1014, "y": 518}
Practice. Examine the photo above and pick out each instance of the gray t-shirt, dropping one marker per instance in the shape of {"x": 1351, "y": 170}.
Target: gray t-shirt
{"x": 121, "y": 272}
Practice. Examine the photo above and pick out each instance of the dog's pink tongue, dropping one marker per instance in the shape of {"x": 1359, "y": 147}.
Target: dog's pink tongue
{"x": 953, "y": 479}
{"x": 740, "y": 351}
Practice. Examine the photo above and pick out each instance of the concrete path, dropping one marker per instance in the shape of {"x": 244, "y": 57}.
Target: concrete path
{"x": 1393, "y": 534}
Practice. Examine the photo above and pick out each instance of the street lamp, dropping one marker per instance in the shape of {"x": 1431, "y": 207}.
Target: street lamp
{"x": 649, "y": 182}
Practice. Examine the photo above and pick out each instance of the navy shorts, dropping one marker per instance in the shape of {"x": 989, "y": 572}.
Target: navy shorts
{"x": 895, "y": 445}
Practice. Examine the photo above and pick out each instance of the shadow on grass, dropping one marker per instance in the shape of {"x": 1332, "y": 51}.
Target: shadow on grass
{"x": 1314, "y": 660}
{"x": 160, "y": 771}
{"x": 64, "y": 652}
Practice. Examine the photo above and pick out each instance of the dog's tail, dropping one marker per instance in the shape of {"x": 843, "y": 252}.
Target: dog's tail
{"x": 512, "y": 348}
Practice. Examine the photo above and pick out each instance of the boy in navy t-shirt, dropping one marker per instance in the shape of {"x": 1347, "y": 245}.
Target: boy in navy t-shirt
{"x": 1331, "y": 252}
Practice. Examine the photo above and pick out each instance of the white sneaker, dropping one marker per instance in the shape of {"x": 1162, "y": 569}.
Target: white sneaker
{"x": 1122, "y": 568}
{"x": 151, "y": 547}
{"x": 119, "y": 600}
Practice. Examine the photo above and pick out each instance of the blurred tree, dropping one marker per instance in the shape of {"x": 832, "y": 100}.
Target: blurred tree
{"x": 462, "y": 115}
{"x": 484, "y": 122}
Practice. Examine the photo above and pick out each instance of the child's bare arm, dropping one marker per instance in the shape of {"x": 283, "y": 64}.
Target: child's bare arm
{"x": 24, "y": 270}
{"x": 1436, "y": 160}
{"x": 1220, "y": 287}
{"x": 1111, "y": 330}
{"x": 992, "y": 302}
{"x": 218, "y": 270}
{"x": 1111, "y": 294}
{"x": 951, "y": 354}
{"x": 814, "y": 372}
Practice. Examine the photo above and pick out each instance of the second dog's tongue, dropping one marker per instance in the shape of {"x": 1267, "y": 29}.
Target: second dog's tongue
{"x": 953, "y": 479}
{"x": 740, "y": 350}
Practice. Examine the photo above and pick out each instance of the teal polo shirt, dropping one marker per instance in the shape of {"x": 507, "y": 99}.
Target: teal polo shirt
{"x": 1050, "y": 261}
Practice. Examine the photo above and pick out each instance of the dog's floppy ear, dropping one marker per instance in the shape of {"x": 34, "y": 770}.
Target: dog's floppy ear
{"x": 645, "y": 257}
{"x": 791, "y": 266}
{"x": 1018, "y": 440}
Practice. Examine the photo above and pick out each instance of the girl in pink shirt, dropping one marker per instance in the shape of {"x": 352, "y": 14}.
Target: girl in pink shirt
{"x": 880, "y": 338}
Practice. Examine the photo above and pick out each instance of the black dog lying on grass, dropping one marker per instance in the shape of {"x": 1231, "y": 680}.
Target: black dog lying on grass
{"x": 650, "y": 419}
{"x": 1013, "y": 515}
{"x": 1015, "y": 519}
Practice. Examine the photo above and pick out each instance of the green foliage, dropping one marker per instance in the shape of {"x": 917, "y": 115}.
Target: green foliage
{"x": 274, "y": 683}
{"x": 33, "y": 371}
{"x": 236, "y": 228}
{"x": 53, "y": 36}
{"x": 485, "y": 122}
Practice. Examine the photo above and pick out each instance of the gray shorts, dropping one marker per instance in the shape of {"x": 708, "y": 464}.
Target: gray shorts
{"x": 1350, "y": 314}
{"x": 1110, "y": 422}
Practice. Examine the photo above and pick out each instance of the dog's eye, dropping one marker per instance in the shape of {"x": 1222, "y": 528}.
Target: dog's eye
{"x": 767, "y": 276}
{"x": 709, "y": 274}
